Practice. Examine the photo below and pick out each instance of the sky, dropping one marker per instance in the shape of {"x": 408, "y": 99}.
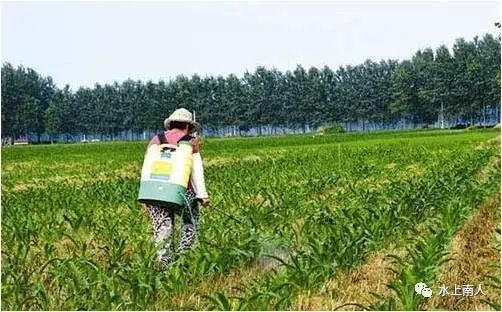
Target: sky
{"x": 83, "y": 43}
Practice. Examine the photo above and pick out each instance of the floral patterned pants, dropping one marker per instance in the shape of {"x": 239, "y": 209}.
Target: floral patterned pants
{"x": 162, "y": 218}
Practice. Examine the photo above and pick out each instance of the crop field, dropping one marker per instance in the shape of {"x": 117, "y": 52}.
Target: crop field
{"x": 342, "y": 221}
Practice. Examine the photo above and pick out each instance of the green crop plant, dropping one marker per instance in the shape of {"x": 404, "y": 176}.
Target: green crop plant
{"x": 301, "y": 209}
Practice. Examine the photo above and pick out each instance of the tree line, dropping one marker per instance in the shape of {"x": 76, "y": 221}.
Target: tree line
{"x": 461, "y": 85}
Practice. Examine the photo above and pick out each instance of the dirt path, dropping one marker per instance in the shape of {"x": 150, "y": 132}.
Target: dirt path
{"x": 475, "y": 257}
{"x": 353, "y": 287}
{"x": 226, "y": 283}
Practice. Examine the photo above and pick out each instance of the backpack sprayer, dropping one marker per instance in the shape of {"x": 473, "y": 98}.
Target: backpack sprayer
{"x": 165, "y": 173}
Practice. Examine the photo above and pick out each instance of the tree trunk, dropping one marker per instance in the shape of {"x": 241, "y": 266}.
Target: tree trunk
{"x": 484, "y": 115}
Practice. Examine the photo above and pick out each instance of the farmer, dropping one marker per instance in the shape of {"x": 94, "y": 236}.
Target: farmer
{"x": 179, "y": 126}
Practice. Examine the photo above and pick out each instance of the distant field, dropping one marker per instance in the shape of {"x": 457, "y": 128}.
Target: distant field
{"x": 296, "y": 222}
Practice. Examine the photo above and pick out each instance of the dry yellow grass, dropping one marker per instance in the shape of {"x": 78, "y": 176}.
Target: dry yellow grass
{"x": 473, "y": 257}
{"x": 391, "y": 166}
{"x": 473, "y": 254}
{"x": 218, "y": 161}
{"x": 252, "y": 158}
{"x": 354, "y": 287}
{"x": 18, "y": 166}
{"x": 411, "y": 171}
{"x": 228, "y": 283}
{"x": 489, "y": 143}
{"x": 77, "y": 180}
{"x": 483, "y": 174}
{"x": 260, "y": 200}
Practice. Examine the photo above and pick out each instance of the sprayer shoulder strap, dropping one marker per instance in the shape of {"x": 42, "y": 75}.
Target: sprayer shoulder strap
{"x": 162, "y": 138}
{"x": 186, "y": 137}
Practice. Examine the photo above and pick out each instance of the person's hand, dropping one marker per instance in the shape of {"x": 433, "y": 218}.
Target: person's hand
{"x": 205, "y": 201}
{"x": 145, "y": 208}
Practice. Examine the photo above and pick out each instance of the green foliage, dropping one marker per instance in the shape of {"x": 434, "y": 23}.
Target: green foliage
{"x": 460, "y": 84}
{"x": 335, "y": 128}
{"x": 25, "y": 97}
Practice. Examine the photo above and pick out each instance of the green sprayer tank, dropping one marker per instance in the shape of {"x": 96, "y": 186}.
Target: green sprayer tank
{"x": 165, "y": 174}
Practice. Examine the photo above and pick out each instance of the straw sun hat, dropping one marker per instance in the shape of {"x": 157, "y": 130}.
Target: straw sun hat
{"x": 182, "y": 115}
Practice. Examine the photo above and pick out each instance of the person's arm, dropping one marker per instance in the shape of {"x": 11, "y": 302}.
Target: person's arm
{"x": 197, "y": 175}
{"x": 197, "y": 179}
